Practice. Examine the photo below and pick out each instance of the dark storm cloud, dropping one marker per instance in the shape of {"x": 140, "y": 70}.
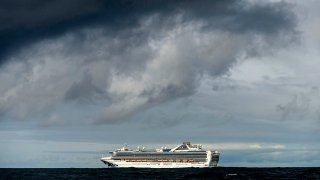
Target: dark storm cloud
{"x": 133, "y": 54}
{"x": 35, "y": 13}
{"x": 26, "y": 21}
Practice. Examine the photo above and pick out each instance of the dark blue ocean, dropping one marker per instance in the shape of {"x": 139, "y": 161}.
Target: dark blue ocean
{"x": 187, "y": 173}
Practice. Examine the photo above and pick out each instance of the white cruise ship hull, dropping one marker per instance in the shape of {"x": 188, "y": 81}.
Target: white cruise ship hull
{"x": 212, "y": 161}
{"x": 185, "y": 155}
{"x": 123, "y": 164}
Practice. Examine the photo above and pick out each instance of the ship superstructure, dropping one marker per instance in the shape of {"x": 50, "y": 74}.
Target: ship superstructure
{"x": 182, "y": 156}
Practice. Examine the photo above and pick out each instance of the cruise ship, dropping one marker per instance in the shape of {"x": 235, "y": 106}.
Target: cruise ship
{"x": 185, "y": 155}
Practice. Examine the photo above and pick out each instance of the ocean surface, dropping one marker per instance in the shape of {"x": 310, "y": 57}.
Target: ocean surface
{"x": 187, "y": 173}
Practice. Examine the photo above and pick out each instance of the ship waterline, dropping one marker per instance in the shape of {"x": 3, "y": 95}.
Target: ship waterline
{"x": 182, "y": 156}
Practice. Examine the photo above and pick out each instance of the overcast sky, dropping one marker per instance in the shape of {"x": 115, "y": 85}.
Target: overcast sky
{"x": 79, "y": 78}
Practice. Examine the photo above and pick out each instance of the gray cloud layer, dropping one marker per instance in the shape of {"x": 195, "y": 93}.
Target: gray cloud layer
{"x": 140, "y": 59}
